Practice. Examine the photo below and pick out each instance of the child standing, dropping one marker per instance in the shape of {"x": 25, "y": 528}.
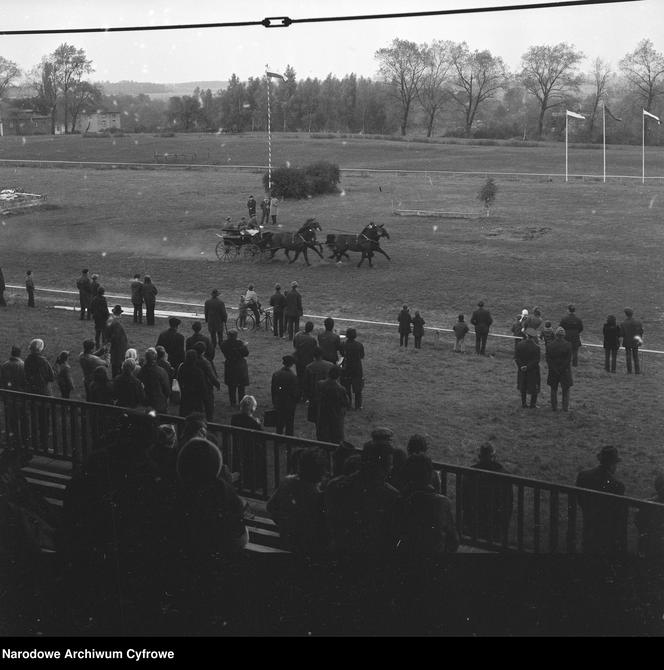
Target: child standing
{"x": 460, "y": 329}
{"x": 418, "y": 329}
{"x": 63, "y": 374}
{"x": 30, "y": 288}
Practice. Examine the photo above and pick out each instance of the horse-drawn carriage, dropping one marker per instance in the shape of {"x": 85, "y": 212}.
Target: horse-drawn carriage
{"x": 249, "y": 243}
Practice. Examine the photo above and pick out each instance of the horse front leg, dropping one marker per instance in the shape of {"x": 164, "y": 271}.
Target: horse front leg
{"x": 315, "y": 248}
{"x": 384, "y": 253}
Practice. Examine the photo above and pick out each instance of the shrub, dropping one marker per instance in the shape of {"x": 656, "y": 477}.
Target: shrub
{"x": 315, "y": 179}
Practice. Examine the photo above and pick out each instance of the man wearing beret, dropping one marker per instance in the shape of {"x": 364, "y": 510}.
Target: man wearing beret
{"x": 482, "y": 320}
{"x": 559, "y": 359}
{"x": 631, "y": 330}
{"x": 573, "y": 328}
{"x": 173, "y": 342}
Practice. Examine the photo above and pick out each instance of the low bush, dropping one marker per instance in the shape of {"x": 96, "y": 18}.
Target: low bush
{"x": 315, "y": 179}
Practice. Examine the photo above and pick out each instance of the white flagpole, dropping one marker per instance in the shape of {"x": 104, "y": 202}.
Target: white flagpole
{"x": 643, "y": 148}
{"x": 269, "y": 140}
{"x": 566, "y": 125}
{"x": 604, "y": 138}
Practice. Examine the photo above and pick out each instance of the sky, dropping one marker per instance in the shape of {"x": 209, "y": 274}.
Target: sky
{"x": 313, "y": 50}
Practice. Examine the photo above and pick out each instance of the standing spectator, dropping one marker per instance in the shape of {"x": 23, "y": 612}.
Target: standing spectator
{"x": 611, "y": 332}
{"x": 278, "y": 304}
{"x": 90, "y": 360}
{"x": 304, "y": 344}
{"x": 63, "y": 374}
{"x": 12, "y": 377}
{"x": 127, "y": 387}
{"x": 199, "y": 337}
{"x": 236, "y": 370}
{"x": 251, "y": 207}
{"x": 242, "y": 309}
{"x": 315, "y": 372}
{"x": 573, "y": 328}
{"x": 460, "y": 329}
{"x": 352, "y": 376}
{"x": 3, "y": 302}
{"x": 101, "y": 390}
{"x": 156, "y": 382}
{"x": 215, "y": 317}
{"x": 534, "y": 320}
{"x": 293, "y": 310}
{"x": 245, "y": 416}
{"x": 285, "y": 395}
{"x": 38, "y": 371}
{"x": 137, "y": 298}
{"x": 84, "y": 286}
{"x": 116, "y": 337}
{"x": 558, "y": 359}
{"x": 487, "y": 501}
{"x": 404, "y": 326}
{"x": 211, "y": 380}
{"x": 192, "y": 385}
{"x": 100, "y": 314}
{"x": 333, "y": 402}
{"x": 631, "y": 331}
{"x": 149, "y": 293}
{"x": 94, "y": 286}
{"x": 517, "y": 328}
{"x": 173, "y": 342}
{"x": 418, "y": 329}
{"x": 30, "y": 288}
{"x": 251, "y": 298}
{"x": 603, "y": 519}
{"x": 547, "y": 334}
{"x": 650, "y": 524}
{"x": 162, "y": 362}
{"x": 274, "y": 209}
{"x": 265, "y": 210}
{"x": 482, "y": 320}
{"x": 527, "y": 358}
{"x": 417, "y": 444}
{"x": 329, "y": 341}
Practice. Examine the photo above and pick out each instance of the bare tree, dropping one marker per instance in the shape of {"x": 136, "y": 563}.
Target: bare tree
{"x": 9, "y": 71}
{"x": 644, "y": 69}
{"x": 45, "y": 81}
{"x": 431, "y": 91}
{"x": 600, "y": 78}
{"x": 402, "y": 65}
{"x": 71, "y": 64}
{"x": 478, "y": 75}
{"x": 549, "y": 73}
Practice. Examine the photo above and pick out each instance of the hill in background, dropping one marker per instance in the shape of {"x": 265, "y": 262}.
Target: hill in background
{"x": 158, "y": 90}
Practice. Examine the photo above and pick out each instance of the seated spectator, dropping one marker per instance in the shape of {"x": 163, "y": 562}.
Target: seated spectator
{"x": 417, "y": 444}
{"x": 245, "y": 417}
{"x": 128, "y": 389}
{"x": 133, "y": 355}
{"x": 424, "y": 523}
{"x": 487, "y": 501}
{"x": 297, "y": 506}
{"x": 101, "y": 390}
{"x": 650, "y": 523}
{"x": 163, "y": 452}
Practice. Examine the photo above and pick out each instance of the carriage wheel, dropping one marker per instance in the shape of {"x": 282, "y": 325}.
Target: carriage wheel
{"x": 226, "y": 252}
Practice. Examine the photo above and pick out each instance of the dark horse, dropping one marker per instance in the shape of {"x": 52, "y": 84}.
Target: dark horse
{"x": 367, "y": 242}
{"x": 299, "y": 242}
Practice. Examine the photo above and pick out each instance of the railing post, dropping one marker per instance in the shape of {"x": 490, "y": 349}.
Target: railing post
{"x": 571, "y": 523}
{"x": 553, "y": 522}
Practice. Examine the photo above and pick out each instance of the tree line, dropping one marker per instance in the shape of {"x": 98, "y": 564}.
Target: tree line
{"x": 437, "y": 88}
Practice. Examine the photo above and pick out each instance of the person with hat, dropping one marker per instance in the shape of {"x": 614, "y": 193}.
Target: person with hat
{"x": 216, "y": 318}
{"x": 84, "y": 286}
{"x": 352, "y": 372}
{"x": 293, "y": 310}
{"x": 278, "y": 304}
{"x": 315, "y": 372}
{"x": 90, "y": 360}
{"x": 573, "y": 328}
{"x": 30, "y": 288}
{"x": 332, "y": 403}
{"x": 251, "y": 207}
{"x": 236, "y": 370}
{"x": 611, "y": 333}
{"x": 604, "y": 520}
{"x": 274, "y": 209}
{"x": 559, "y": 359}
{"x": 631, "y": 331}
{"x": 265, "y": 210}
{"x": 285, "y": 394}
{"x": 116, "y": 338}
{"x": 173, "y": 342}
{"x": 63, "y": 377}
{"x": 404, "y": 319}
{"x": 137, "y": 298}
{"x": 517, "y": 327}
{"x": 149, "y": 293}
{"x": 211, "y": 379}
{"x": 304, "y": 345}
{"x": 100, "y": 314}
{"x": 527, "y": 357}
{"x": 94, "y": 286}
{"x": 481, "y": 318}
{"x": 199, "y": 337}
{"x": 156, "y": 382}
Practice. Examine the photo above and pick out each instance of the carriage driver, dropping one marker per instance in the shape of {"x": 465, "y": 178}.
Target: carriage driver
{"x": 251, "y": 298}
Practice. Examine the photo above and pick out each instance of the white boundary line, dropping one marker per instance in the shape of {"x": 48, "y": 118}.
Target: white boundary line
{"x": 197, "y": 315}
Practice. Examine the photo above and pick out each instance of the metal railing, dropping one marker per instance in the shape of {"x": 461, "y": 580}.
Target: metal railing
{"x": 493, "y": 511}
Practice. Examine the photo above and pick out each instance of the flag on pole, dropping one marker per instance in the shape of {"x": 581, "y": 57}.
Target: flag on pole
{"x": 652, "y": 116}
{"x": 274, "y": 74}
{"x": 575, "y": 115}
{"x": 613, "y": 116}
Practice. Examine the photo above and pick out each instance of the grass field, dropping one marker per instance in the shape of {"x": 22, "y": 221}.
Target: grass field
{"x": 547, "y": 243}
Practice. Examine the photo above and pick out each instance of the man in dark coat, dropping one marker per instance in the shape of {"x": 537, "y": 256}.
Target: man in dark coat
{"x": 116, "y": 337}
{"x": 285, "y": 395}
{"x": 84, "y": 286}
{"x": 155, "y": 381}
{"x": 192, "y": 385}
{"x": 527, "y": 357}
{"x": 211, "y": 380}
{"x": 149, "y": 293}
{"x": 352, "y": 375}
{"x": 3, "y": 286}
{"x": 12, "y": 377}
{"x": 90, "y": 361}
{"x": 30, "y": 288}
{"x": 293, "y": 310}
{"x": 38, "y": 377}
{"x": 137, "y": 298}
{"x": 94, "y": 286}
{"x": 482, "y": 320}
{"x": 573, "y": 328}
{"x": 173, "y": 342}
{"x": 333, "y": 402}
{"x": 236, "y": 370}
{"x": 329, "y": 341}
{"x": 199, "y": 337}
{"x": 604, "y": 530}
{"x": 631, "y": 330}
{"x": 251, "y": 207}
{"x": 278, "y": 304}
{"x": 100, "y": 314}
{"x": 216, "y": 318}
{"x": 315, "y": 372}
{"x": 404, "y": 320}
{"x": 304, "y": 345}
{"x": 559, "y": 359}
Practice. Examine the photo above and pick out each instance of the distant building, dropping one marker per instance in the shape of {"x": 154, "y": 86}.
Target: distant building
{"x": 98, "y": 122}
{"x": 15, "y": 121}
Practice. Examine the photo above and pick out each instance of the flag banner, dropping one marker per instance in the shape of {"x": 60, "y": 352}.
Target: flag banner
{"x": 652, "y": 116}
{"x": 274, "y": 74}
{"x": 575, "y": 115}
{"x": 613, "y": 116}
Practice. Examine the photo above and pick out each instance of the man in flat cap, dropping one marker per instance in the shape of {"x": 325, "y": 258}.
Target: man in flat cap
{"x": 573, "y": 328}
{"x": 631, "y": 330}
{"x": 559, "y": 360}
{"x": 216, "y": 318}
{"x": 173, "y": 342}
{"x": 527, "y": 357}
{"x": 604, "y": 520}
{"x": 482, "y": 320}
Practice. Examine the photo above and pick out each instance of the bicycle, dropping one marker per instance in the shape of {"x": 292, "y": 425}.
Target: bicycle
{"x": 265, "y": 320}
